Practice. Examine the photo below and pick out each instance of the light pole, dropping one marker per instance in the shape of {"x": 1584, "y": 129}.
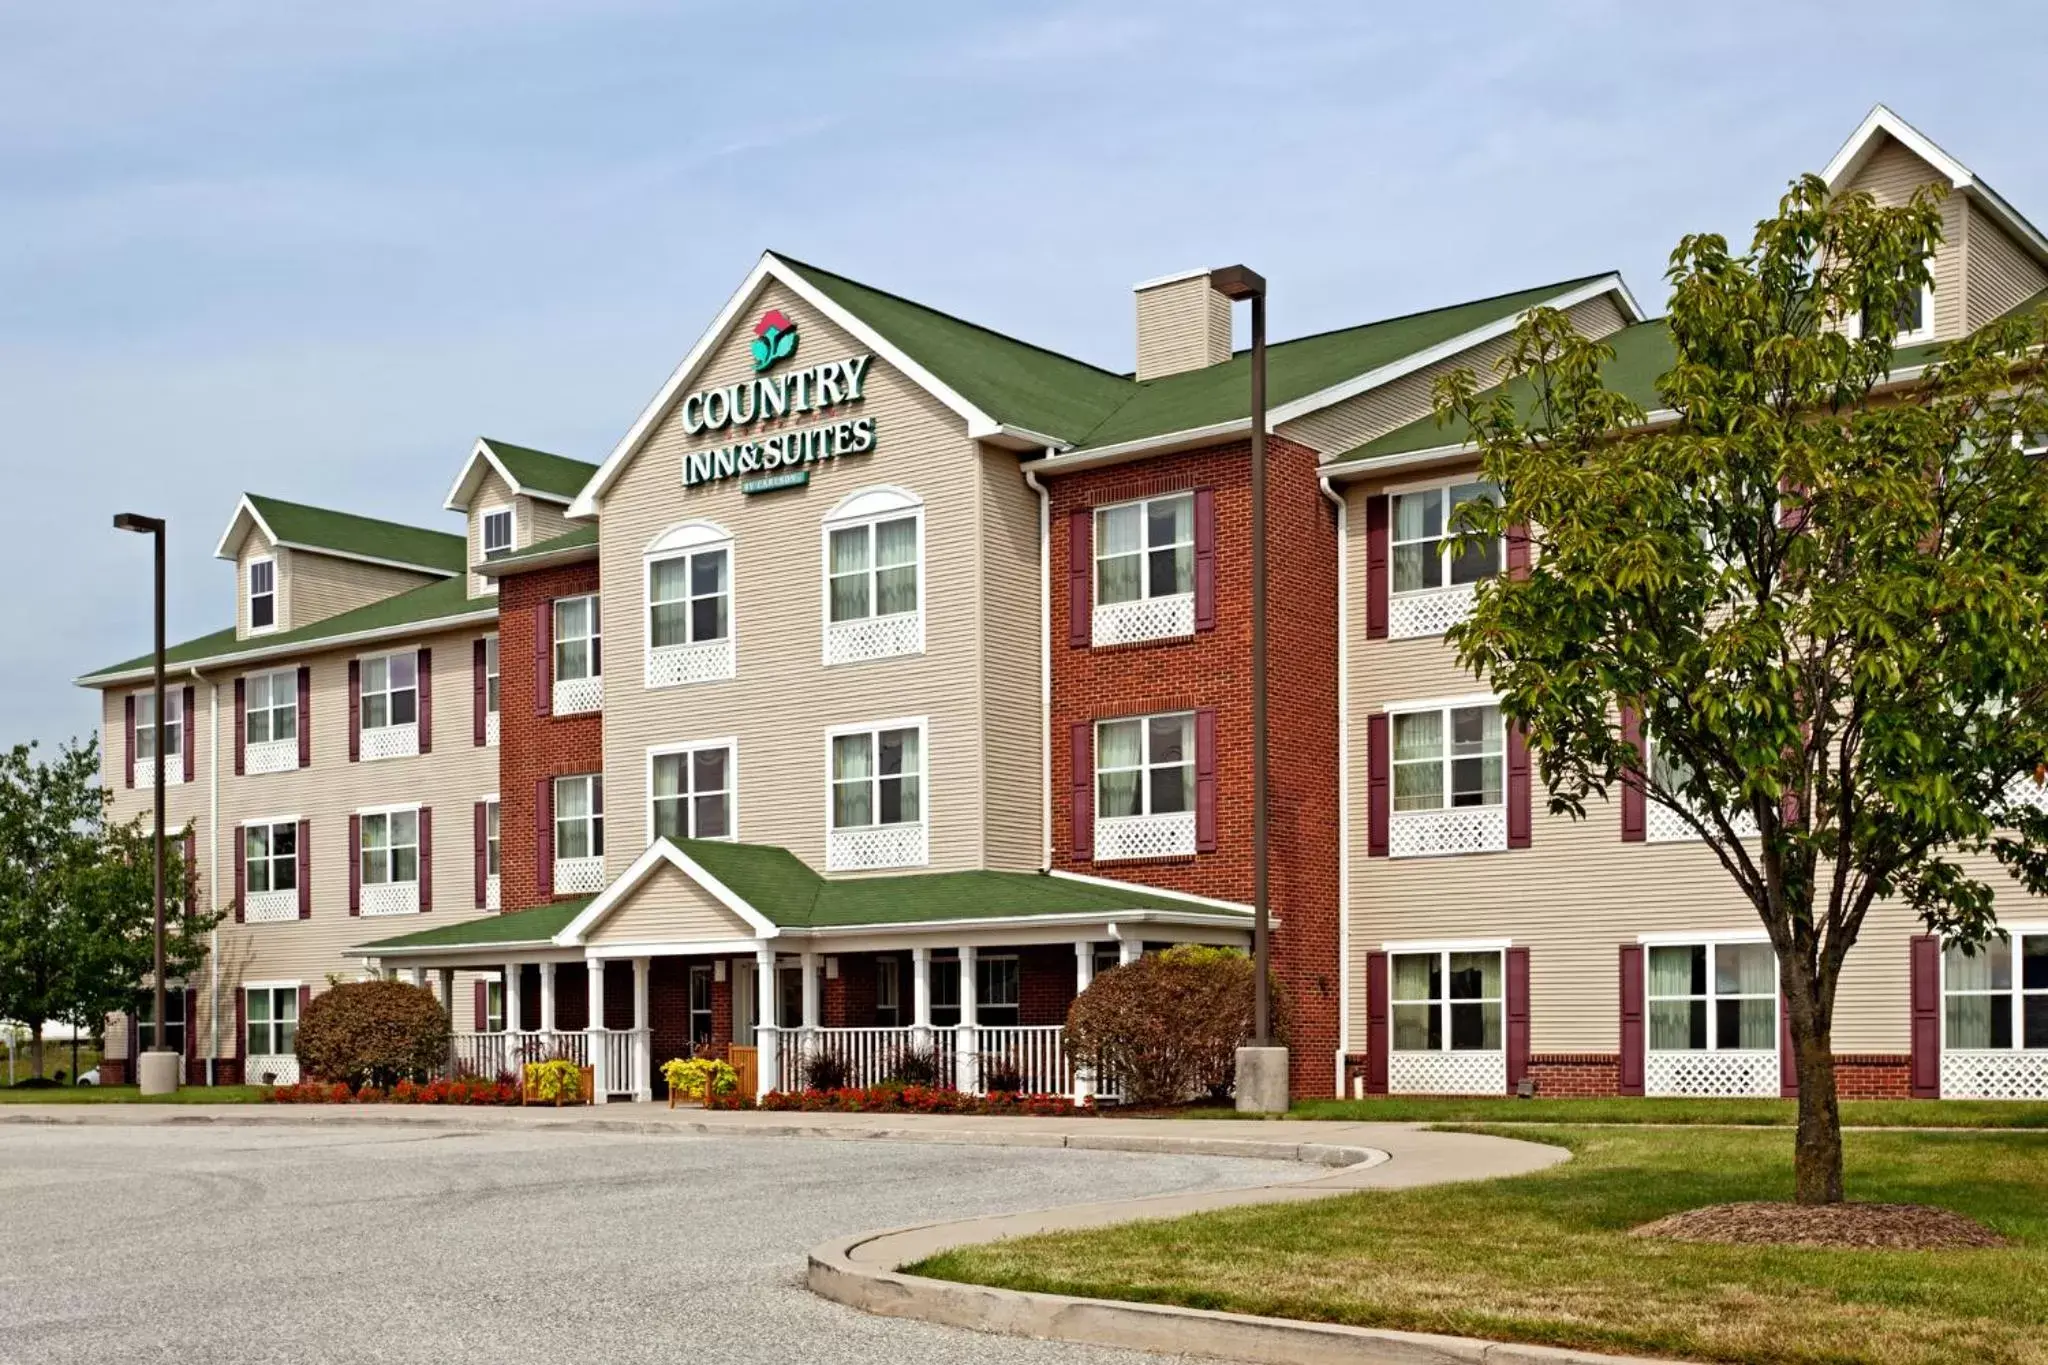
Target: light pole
{"x": 157, "y": 1070}
{"x": 1262, "y": 1067}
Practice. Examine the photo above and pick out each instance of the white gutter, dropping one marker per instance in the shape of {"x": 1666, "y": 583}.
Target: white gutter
{"x": 1044, "y": 661}
{"x": 1343, "y": 781}
{"x": 1143, "y": 446}
{"x": 568, "y": 554}
{"x": 304, "y": 647}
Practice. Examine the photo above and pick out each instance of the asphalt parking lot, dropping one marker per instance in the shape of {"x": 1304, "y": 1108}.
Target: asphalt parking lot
{"x": 244, "y": 1245}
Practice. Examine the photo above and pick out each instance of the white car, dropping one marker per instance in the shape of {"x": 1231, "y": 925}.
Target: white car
{"x": 91, "y": 1077}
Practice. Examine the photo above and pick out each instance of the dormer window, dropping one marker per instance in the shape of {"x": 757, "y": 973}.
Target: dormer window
{"x": 262, "y": 594}
{"x": 1914, "y": 322}
{"x": 497, "y": 532}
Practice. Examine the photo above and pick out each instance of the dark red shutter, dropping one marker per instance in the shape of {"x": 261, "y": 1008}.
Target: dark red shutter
{"x": 355, "y": 864}
{"x": 355, "y": 710}
{"x": 1379, "y": 786}
{"x": 1634, "y": 807}
{"x": 479, "y": 700}
{"x": 1205, "y": 559}
{"x": 1518, "y": 552}
{"x": 306, "y": 716}
{"x": 426, "y": 859}
{"x": 305, "y": 869}
{"x": 191, "y": 1036}
{"x": 1379, "y": 1033}
{"x": 1080, "y": 578}
{"x": 241, "y": 1026}
{"x": 191, "y": 736}
{"x": 1081, "y": 787}
{"x": 1518, "y": 788}
{"x": 426, "y": 681}
{"x": 543, "y": 660}
{"x": 241, "y": 856}
{"x": 1631, "y": 1078}
{"x": 130, "y": 753}
{"x": 1788, "y": 1065}
{"x": 1518, "y": 1016}
{"x": 483, "y": 853}
{"x": 1376, "y": 556}
{"x": 544, "y": 837}
{"x": 1925, "y": 994}
{"x": 241, "y": 722}
{"x": 191, "y": 856}
{"x": 1205, "y": 780}
{"x": 480, "y": 996}
{"x": 305, "y": 999}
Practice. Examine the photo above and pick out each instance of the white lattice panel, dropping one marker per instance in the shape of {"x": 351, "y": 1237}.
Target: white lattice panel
{"x": 1988, "y": 1075}
{"x": 1414, "y": 614}
{"x": 1447, "y": 1073}
{"x": 1145, "y": 836}
{"x": 1434, "y": 833}
{"x": 677, "y": 665}
{"x": 494, "y": 896}
{"x": 271, "y": 756}
{"x": 2021, "y": 791}
{"x": 576, "y": 875}
{"x": 1148, "y": 618}
{"x": 874, "y": 637}
{"x": 391, "y": 741}
{"x": 282, "y": 1069}
{"x": 876, "y": 846}
{"x": 1711, "y": 1074}
{"x": 391, "y": 898}
{"x": 264, "y": 907}
{"x": 145, "y": 773}
{"x": 577, "y": 695}
{"x": 1663, "y": 825}
{"x": 491, "y": 727}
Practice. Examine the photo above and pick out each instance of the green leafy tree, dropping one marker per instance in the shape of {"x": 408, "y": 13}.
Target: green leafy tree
{"x": 1823, "y": 593}
{"x": 76, "y": 897}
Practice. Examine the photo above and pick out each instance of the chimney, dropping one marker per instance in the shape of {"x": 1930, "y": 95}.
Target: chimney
{"x": 1183, "y": 324}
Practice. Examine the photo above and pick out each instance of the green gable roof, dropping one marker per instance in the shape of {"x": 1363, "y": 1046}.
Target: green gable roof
{"x": 538, "y": 471}
{"x": 537, "y": 925}
{"x": 345, "y": 533}
{"x": 555, "y": 550}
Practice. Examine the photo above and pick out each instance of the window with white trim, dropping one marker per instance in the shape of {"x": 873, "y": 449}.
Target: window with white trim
{"x": 872, "y": 568}
{"x": 996, "y": 990}
{"x": 1448, "y": 1001}
{"x": 391, "y": 690}
{"x": 692, "y": 789}
{"x": 144, "y": 1035}
{"x": 497, "y": 532}
{"x": 270, "y": 857}
{"x": 1996, "y": 999}
{"x": 878, "y": 778}
{"x": 1448, "y": 758}
{"x": 1712, "y": 997}
{"x": 1145, "y": 549}
{"x": 494, "y": 1006}
{"x": 490, "y": 675}
{"x": 700, "y": 1003}
{"x": 271, "y": 706}
{"x": 578, "y": 639}
{"x": 173, "y": 726}
{"x": 491, "y": 839}
{"x": 579, "y": 817}
{"x": 1145, "y": 765}
{"x": 888, "y": 991}
{"x": 689, "y": 597}
{"x": 1423, "y": 527}
{"x": 1914, "y": 322}
{"x": 945, "y": 989}
{"x": 262, "y": 594}
{"x": 391, "y": 848}
{"x": 272, "y": 1016}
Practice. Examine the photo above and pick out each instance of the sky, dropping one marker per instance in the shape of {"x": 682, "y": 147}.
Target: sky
{"x": 315, "y": 251}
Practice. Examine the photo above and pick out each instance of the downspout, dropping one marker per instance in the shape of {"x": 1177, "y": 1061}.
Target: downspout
{"x": 1044, "y": 662}
{"x": 1343, "y": 783}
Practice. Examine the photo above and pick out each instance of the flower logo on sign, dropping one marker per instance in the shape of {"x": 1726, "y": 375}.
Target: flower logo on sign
{"x": 774, "y": 339}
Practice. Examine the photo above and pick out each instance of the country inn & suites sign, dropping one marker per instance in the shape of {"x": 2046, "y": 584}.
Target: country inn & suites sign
{"x": 783, "y": 459}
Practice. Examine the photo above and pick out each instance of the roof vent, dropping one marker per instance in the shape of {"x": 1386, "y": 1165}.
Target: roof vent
{"x": 1183, "y": 324}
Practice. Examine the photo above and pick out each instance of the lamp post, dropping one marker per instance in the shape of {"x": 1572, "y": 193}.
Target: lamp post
{"x": 1262, "y": 1067}
{"x": 157, "y": 1070}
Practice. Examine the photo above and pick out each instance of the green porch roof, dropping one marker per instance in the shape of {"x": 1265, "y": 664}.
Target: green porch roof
{"x": 554, "y": 550}
{"x": 539, "y": 471}
{"x": 538, "y": 925}
{"x": 345, "y": 533}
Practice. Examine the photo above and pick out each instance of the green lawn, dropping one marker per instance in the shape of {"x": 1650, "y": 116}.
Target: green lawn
{"x": 128, "y": 1094}
{"x": 1749, "y": 1113}
{"x": 1545, "y": 1258}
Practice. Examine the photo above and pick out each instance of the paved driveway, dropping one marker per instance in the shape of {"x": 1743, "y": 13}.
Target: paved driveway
{"x": 246, "y": 1245}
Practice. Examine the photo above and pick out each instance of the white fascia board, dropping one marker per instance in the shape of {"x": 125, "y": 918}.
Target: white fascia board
{"x": 979, "y": 424}
{"x": 1112, "y": 884}
{"x": 1108, "y": 919}
{"x": 527, "y": 560}
{"x": 478, "y": 955}
{"x": 723, "y": 947}
{"x": 304, "y": 647}
{"x": 235, "y": 532}
{"x": 464, "y": 488}
{"x": 1863, "y": 141}
{"x": 661, "y": 852}
{"x": 1094, "y": 456}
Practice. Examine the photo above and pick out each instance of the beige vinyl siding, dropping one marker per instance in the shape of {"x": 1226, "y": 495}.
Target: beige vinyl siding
{"x": 670, "y": 908}
{"x": 2000, "y": 276}
{"x": 1578, "y": 892}
{"x": 1013, "y": 617}
{"x": 542, "y": 520}
{"x": 327, "y": 585}
{"x": 1890, "y": 177}
{"x": 1182, "y": 325}
{"x": 1350, "y": 424}
{"x": 184, "y": 802}
{"x": 783, "y": 699}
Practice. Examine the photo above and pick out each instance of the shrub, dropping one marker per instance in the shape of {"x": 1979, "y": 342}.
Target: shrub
{"x": 917, "y": 1066}
{"x": 1001, "y": 1074}
{"x": 379, "y": 1032}
{"x": 405, "y": 1092}
{"x": 822, "y": 1071}
{"x": 557, "y": 1081}
{"x": 1166, "y": 1028}
{"x": 700, "y": 1078}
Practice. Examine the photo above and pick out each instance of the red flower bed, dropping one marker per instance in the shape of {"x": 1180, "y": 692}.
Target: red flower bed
{"x": 463, "y": 1091}
{"x": 920, "y": 1099}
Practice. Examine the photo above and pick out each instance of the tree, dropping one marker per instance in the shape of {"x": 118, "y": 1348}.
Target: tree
{"x": 76, "y": 897}
{"x": 1821, "y": 592}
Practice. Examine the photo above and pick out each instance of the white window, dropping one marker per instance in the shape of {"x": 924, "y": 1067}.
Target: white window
{"x": 1432, "y": 583}
{"x": 270, "y": 857}
{"x": 701, "y": 977}
{"x": 578, "y": 643}
{"x": 262, "y": 594}
{"x": 272, "y": 1015}
{"x": 888, "y": 990}
{"x": 391, "y": 848}
{"x": 691, "y": 790}
{"x": 1996, "y": 999}
{"x": 1145, "y": 549}
{"x": 1447, "y": 1001}
{"x": 173, "y": 746}
{"x": 491, "y": 838}
{"x": 996, "y": 995}
{"x": 689, "y": 598}
{"x": 270, "y": 722}
{"x": 579, "y": 817}
{"x": 1712, "y": 997}
{"x": 497, "y": 532}
{"x": 876, "y": 805}
{"x": 491, "y": 689}
{"x": 1915, "y": 318}
{"x": 1145, "y": 787}
{"x": 391, "y": 691}
{"x": 1448, "y": 758}
{"x": 874, "y": 576}
{"x": 494, "y": 1006}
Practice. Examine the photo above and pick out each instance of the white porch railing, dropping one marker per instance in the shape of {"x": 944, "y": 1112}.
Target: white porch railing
{"x": 1031, "y": 1058}
{"x": 621, "y": 1059}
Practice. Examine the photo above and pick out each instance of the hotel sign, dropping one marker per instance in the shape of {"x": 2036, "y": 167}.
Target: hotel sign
{"x": 782, "y": 459}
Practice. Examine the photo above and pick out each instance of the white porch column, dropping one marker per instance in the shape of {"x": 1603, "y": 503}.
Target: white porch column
{"x": 812, "y": 1019}
{"x": 448, "y": 1010}
{"x": 511, "y": 988}
{"x": 968, "y": 1071}
{"x": 416, "y": 976}
{"x": 921, "y": 996}
{"x": 643, "y": 1045}
{"x": 1084, "y": 977}
{"x": 600, "y": 1067}
{"x": 767, "y": 1039}
{"x": 547, "y": 997}
{"x": 1129, "y": 950}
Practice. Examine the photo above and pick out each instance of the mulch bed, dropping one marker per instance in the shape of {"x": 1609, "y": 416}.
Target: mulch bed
{"x": 1864, "y": 1227}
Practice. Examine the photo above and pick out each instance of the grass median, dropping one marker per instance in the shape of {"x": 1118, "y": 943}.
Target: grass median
{"x": 1745, "y": 1113}
{"x": 128, "y": 1094}
{"x": 1546, "y": 1258}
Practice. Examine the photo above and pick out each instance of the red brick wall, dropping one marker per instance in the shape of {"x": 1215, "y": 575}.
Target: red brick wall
{"x": 1214, "y": 669}
{"x": 1045, "y": 983}
{"x": 1874, "y": 1076}
{"x": 1575, "y": 1075}
{"x": 531, "y": 747}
